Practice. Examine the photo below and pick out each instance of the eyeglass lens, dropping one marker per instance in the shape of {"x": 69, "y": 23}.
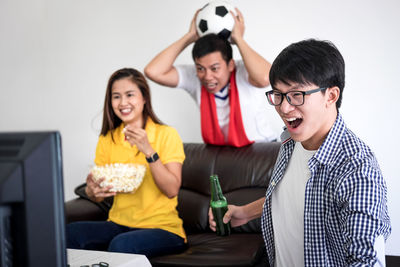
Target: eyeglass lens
{"x": 294, "y": 98}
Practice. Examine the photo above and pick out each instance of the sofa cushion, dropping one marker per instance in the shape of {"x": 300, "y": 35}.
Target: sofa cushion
{"x": 199, "y": 164}
{"x": 247, "y": 167}
{"x": 243, "y": 173}
{"x": 208, "y": 249}
{"x": 193, "y": 210}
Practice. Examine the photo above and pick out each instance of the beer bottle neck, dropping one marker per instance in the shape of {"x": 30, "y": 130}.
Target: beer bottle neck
{"x": 216, "y": 192}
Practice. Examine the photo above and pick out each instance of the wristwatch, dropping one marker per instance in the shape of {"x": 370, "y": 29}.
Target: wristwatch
{"x": 153, "y": 158}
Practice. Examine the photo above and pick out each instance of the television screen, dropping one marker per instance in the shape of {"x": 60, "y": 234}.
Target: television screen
{"x": 32, "y": 224}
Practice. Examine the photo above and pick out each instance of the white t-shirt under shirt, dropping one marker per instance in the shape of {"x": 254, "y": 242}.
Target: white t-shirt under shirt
{"x": 223, "y": 110}
{"x": 287, "y": 207}
{"x": 260, "y": 121}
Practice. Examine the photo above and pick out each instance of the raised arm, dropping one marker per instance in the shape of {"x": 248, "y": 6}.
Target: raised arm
{"x": 161, "y": 69}
{"x": 256, "y": 66}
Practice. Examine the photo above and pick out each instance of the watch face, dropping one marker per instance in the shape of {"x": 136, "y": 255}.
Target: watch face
{"x": 152, "y": 158}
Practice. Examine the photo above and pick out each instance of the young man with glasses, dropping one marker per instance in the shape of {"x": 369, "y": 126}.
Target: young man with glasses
{"x": 226, "y": 90}
{"x": 326, "y": 203}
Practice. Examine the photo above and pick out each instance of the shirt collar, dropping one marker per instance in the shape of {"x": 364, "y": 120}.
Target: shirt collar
{"x": 329, "y": 148}
{"x": 326, "y": 153}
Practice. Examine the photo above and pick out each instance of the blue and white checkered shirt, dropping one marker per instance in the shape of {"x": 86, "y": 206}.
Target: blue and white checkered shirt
{"x": 345, "y": 206}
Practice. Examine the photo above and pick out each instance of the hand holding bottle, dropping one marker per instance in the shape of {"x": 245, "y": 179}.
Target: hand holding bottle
{"x": 235, "y": 215}
{"x": 219, "y": 206}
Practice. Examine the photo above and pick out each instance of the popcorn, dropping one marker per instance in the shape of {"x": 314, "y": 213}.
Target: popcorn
{"x": 122, "y": 177}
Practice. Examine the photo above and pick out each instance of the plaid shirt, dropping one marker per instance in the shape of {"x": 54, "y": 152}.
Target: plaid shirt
{"x": 345, "y": 202}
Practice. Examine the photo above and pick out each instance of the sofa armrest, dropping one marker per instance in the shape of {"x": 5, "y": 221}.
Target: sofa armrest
{"x": 84, "y": 209}
{"x": 80, "y": 209}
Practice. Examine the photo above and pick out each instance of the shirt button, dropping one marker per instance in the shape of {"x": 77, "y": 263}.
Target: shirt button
{"x": 308, "y": 245}
{"x": 273, "y": 183}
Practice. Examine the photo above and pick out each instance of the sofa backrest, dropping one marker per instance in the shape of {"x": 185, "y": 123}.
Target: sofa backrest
{"x": 244, "y": 174}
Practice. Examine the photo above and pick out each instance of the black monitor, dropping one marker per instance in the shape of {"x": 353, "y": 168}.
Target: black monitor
{"x": 32, "y": 221}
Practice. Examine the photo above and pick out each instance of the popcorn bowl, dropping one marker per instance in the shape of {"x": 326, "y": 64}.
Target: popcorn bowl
{"x": 124, "y": 178}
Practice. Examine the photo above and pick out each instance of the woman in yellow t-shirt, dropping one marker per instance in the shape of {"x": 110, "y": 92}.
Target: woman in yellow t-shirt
{"x": 146, "y": 221}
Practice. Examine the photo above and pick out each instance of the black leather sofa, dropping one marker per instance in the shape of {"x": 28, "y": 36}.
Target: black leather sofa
{"x": 244, "y": 174}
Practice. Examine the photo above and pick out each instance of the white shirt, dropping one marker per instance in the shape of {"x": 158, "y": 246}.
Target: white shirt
{"x": 260, "y": 120}
{"x": 223, "y": 110}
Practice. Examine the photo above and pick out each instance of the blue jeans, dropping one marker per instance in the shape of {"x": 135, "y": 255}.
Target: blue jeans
{"x": 109, "y": 236}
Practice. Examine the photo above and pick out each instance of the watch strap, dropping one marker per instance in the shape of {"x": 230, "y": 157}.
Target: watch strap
{"x": 152, "y": 158}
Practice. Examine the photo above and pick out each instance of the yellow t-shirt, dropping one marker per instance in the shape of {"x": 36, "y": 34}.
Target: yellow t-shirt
{"x": 148, "y": 207}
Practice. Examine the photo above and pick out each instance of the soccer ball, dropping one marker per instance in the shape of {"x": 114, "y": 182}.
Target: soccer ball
{"x": 215, "y": 17}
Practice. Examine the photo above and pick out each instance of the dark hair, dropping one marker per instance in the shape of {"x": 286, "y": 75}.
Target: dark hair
{"x": 212, "y": 43}
{"x": 310, "y": 61}
{"x": 110, "y": 119}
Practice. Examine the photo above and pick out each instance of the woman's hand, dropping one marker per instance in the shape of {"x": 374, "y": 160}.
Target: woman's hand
{"x": 138, "y": 137}
{"x": 94, "y": 191}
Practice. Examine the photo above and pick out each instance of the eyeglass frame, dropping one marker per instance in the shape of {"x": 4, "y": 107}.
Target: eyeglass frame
{"x": 284, "y": 95}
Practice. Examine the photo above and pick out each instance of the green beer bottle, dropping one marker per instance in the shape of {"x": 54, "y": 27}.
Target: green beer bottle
{"x": 219, "y": 207}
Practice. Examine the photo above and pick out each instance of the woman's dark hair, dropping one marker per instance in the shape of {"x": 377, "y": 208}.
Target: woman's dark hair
{"x": 110, "y": 119}
{"x": 310, "y": 61}
{"x": 212, "y": 43}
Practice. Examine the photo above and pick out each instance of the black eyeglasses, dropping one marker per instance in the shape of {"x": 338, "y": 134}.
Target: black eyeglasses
{"x": 294, "y": 98}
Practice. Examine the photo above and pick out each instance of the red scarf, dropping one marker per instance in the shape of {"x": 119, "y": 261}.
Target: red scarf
{"x": 210, "y": 129}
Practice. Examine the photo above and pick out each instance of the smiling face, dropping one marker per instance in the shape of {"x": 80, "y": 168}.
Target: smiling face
{"x": 309, "y": 123}
{"x": 127, "y": 102}
{"x": 213, "y": 71}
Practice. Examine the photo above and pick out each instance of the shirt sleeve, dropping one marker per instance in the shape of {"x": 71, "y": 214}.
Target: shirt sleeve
{"x": 241, "y": 71}
{"x": 364, "y": 214}
{"x": 171, "y": 149}
{"x": 242, "y": 77}
{"x": 102, "y": 151}
{"x": 189, "y": 81}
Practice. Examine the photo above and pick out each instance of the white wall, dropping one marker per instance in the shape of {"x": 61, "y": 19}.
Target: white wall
{"x": 56, "y": 56}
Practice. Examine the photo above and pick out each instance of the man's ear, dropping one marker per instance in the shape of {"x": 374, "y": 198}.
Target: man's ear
{"x": 231, "y": 65}
{"x": 332, "y": 95}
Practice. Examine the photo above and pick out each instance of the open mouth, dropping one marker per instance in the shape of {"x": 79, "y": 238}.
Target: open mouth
{"x": 294, "y": 122}
{"x": 210, "y": 86}
{"x": 125, "y": 111}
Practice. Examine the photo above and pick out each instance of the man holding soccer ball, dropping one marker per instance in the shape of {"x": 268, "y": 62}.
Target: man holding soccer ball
{"x": 226, "y": 91}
